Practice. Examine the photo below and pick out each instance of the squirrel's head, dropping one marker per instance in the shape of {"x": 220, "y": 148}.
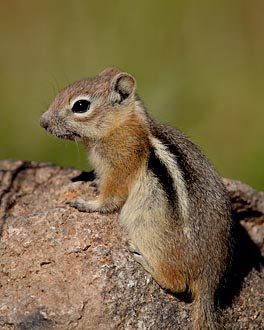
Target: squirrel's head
{"x": 88, "y": 109}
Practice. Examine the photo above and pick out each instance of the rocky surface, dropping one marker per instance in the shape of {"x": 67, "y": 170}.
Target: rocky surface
{"x": 61, "y": 269}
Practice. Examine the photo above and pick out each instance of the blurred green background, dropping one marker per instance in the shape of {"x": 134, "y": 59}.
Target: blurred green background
{"x": 199, "y": 66}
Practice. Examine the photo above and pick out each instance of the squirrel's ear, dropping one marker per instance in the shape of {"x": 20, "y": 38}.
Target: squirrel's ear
{"x": 110, "y": 72}
{"x": 122, "y": 86}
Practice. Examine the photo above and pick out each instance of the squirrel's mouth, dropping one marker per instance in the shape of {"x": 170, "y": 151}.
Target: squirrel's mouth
{"x": 63, "y": 135}
{"x": 69, "y": 136}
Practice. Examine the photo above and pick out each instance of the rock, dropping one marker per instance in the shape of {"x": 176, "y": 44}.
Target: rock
{"x": 62, "y": 269}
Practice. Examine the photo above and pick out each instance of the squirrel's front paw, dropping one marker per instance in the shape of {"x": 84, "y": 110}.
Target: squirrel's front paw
{"x": 82, "y": 205}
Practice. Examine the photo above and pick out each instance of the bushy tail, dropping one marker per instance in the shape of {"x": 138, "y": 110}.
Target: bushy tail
{"x": 206, "y": 315}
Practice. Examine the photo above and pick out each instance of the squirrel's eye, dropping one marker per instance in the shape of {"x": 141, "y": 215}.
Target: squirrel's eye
{"x": 81, "y": 106}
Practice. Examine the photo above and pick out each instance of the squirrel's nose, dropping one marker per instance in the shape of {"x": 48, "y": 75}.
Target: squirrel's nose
{"x": 43, "y": 122}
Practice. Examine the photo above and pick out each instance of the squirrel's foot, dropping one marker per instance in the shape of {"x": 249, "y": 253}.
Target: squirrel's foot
{"x": 138, "y": 256}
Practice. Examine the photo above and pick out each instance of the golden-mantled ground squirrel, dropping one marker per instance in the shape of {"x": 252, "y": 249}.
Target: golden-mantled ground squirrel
{"x": 172, "y": 202}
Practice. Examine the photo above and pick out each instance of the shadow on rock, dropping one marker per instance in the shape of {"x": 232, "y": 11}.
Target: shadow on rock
{"x": 246, "y": 256}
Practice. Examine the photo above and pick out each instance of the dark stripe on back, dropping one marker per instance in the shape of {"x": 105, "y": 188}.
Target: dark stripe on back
{"x": 188, "y": 155}
{"x": 188, "y": 174}
{"x": 156, "y": 166}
